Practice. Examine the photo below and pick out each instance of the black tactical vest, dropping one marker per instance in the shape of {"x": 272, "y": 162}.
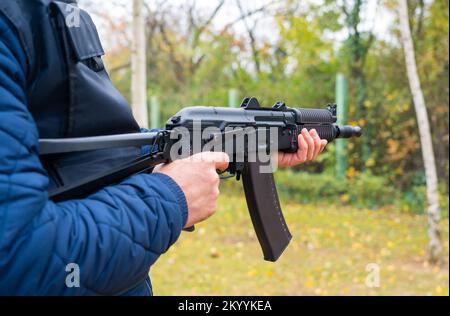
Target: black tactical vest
{"x": 69, "y": 91}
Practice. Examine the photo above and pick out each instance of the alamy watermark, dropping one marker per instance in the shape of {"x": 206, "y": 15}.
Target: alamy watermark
{"x": 242, "y": 144}
{"x": 73, "y": 276}
{"x": 73, "y": 17}
{"x": 373, "y": 278}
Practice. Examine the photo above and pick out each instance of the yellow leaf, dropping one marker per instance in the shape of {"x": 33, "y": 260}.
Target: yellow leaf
{"x": 345, "y": 198}
{"x": 309, "y": 284}
{"x": 351, "y": 172}
{"x": 269, "y": 274}
{"x": 370, "y": 162}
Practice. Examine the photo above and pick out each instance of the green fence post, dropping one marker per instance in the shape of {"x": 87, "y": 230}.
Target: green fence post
{"x": 155, "y": 116}
{"x": 233, "y": 98}
{"x": 342, "y": 113}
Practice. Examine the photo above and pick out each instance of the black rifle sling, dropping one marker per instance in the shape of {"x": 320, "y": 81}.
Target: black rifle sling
{"x": 84, "y": 187}
{"x": 89, "y": 185}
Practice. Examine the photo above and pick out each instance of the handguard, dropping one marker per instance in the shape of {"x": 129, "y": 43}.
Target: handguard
{"x": 265, "y": 211}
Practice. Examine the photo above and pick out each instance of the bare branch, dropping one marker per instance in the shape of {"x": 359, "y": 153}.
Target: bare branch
{"x": 177, "y": 66}
{"x": 344, "y": 9}
{"x": 247, "y": 15}
{"x": 251, "y": 35}
{"x": 419, "y": 27}
{"x": 202, "y": 28}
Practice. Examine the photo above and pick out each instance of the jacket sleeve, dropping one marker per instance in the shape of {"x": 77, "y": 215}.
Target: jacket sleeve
{"x": 114, "y": 236}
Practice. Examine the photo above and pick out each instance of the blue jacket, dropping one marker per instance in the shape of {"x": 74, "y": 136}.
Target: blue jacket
{"x": 114, "y": 236}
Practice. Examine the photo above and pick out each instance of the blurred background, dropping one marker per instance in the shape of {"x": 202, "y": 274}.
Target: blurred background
{"x": 361, "y": 218}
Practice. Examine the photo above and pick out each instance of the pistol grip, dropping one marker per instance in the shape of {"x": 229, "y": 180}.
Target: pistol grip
{"x": 265, "y": 211}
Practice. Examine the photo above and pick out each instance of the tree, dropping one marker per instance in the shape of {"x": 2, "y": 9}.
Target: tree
{"x": 435, "y": 246}
{"x": 138, "y": 66}
{"x": 358, "y": 45}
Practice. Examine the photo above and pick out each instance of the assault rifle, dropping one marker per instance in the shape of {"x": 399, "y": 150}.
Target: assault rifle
{"x": 245, "y": 134}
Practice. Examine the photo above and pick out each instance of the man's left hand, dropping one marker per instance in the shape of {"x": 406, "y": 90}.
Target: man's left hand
{"x": 309, "y": 147}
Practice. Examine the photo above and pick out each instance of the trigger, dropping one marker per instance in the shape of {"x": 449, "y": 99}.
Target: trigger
{"x": 222, "y": 177}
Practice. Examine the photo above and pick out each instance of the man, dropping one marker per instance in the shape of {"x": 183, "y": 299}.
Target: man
{"x": 52, "y": 85}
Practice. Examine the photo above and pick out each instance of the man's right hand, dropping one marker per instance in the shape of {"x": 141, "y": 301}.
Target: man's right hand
{"x": 197, "y": 177}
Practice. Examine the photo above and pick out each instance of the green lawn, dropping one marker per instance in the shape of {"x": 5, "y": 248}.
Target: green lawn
{"x": 328, "y": 255}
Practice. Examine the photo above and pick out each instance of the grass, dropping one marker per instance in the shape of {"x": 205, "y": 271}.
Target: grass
{"x": 328, "y": 255}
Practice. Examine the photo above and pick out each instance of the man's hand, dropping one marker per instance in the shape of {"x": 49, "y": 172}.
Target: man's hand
{"x": 309, "y": 147}
{"x": 197, "y": 177}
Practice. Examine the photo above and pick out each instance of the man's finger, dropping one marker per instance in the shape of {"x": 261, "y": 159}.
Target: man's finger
{"x": 324, "y": 145}
{"x": 302, "y": 153}
{"x": 221, "y": 160}
{"x": 309, "y": 140}
{"x": 317, "y": 142}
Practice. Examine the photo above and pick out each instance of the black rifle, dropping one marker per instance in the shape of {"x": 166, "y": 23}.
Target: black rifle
{"x": 225, "y": 123}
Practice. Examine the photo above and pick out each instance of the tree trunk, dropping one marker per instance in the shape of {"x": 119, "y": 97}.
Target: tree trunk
{"x": 138, "y": 66}
{"x": 435, "y": 247}
{"x": 359, "y": 46}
